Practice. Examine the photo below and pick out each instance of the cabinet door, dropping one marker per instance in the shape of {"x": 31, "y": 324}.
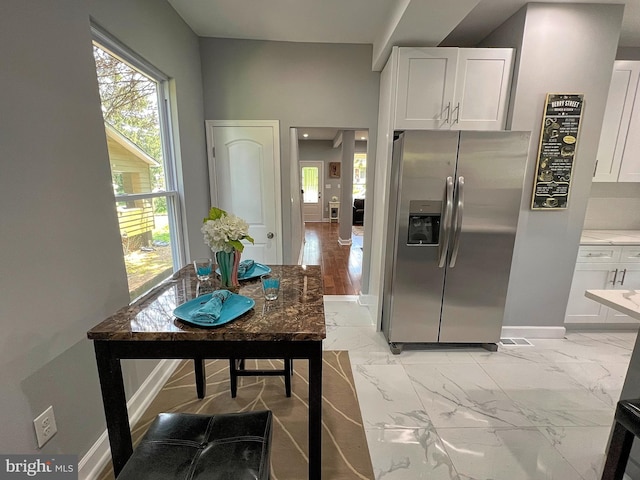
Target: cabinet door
{"x": 588, "y": 276}
{"x": 615, "y": 124}
{"x": 483, "y": 79}
{"x": 628, "y": 278}
{"x": 425, "y": 86}
{"x": 630, "y": 165}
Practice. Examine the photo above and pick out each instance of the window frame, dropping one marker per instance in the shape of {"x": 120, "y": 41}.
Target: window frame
{"x": 171, "y": 191}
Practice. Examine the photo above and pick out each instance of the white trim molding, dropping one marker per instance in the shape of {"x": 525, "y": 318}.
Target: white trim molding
{"x": 533, "y": 332}
{"x": 340, "y": 298}
{"x": 367, "y": 300}
{"x": 91, "y": 465}
{"x": 344, "y": 242}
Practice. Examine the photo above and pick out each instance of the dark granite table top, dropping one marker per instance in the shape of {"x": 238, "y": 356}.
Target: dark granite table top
{"x": 297, "y": 314}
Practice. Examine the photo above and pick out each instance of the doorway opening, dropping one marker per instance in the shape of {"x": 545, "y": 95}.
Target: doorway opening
{"x": 324, "y": 233}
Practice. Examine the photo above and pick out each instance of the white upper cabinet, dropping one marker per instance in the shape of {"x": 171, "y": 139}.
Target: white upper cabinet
{"x": 619, "y": 148}
{"x": 452, "y": 88}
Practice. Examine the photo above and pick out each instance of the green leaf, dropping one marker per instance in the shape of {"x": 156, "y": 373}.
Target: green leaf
{"x": 237, "y": 244}
{"x": 249, "y": 239}
{"x": 215, "y": 213}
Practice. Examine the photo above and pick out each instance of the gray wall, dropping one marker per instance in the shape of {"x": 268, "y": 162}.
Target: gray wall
{"x": 613, "y": 206}
{"x": 547, "y": 242}
{"x": 299, "y": 84}
{"x": 628, "y": 53}
{"x": 61, "y": 258}
{"x": 323, "y": 151}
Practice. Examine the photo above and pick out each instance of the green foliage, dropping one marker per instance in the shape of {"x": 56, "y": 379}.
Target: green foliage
{"x": 162, "y": 235}
{"x": 160, "y": 205}
{"x": 130, "y": 104}
{"x": 215, "y": 213}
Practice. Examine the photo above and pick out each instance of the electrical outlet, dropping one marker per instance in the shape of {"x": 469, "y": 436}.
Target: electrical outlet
{"x": 45, "y": 425}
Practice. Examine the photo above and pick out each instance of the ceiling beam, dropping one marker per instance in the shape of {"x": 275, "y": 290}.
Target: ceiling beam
{"x": 337, "y": 140}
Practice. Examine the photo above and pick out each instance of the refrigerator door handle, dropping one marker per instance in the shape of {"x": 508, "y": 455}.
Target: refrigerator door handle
{"x": 457, "y": 227}
{"x": 445, "y": 225}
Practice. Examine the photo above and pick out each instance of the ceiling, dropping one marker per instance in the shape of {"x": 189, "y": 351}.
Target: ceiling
{"x": 321, "y": 133}
{"x": 381, "y": 23}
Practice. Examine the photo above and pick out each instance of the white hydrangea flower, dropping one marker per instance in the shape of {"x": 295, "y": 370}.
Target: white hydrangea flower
{"x": 220, "y": 232}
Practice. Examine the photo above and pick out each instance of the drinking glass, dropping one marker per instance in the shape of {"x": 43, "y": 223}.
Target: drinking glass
{"x": 203, "y": 267}
{"x": 270, "y": 285}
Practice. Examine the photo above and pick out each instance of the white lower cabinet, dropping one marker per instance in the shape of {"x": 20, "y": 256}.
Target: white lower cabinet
{"x": 589, "y": 276}
{"x": 627, "y": 278}
{"x": 602, "y": 268}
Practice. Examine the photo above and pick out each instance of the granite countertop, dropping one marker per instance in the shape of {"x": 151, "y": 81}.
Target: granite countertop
{"x": 610, "y": 237}
{"x": 624, "y": 301}
{"x": 297, "y": 314}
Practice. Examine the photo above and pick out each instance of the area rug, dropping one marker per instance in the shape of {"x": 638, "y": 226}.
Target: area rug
{"x": 345, "y": 454}
{"x": 357, "y": 230}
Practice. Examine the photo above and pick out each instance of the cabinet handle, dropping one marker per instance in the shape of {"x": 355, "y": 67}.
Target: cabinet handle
{"x": 615, "y": 275}
{"x": 457, "y": 110}
{"x": 448, "y": 109}
{"x": 596, "y": 256}
{"x": 595, "y": 169}
{"x": 624, "y": 274}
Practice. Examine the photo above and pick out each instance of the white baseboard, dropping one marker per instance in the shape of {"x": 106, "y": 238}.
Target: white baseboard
{"x": 343, "y": 241}
{"x": 99, "y": 454}
{"x": 340, "y": 298}
{"x": 367, "y": 300}
{"x": 533, "y": 332}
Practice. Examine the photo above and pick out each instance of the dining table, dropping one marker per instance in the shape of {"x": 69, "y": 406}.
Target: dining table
{"x": 291, "y": 326}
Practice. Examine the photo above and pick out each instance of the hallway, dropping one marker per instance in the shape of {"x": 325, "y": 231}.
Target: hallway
{"x": 341, "y": 265}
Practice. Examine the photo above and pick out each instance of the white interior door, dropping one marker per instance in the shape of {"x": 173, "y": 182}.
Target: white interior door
{"x": 244, "y": 170}
{"x": 311, "y": 180}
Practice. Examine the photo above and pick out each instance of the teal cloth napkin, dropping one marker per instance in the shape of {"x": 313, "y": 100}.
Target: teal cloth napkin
{"x": 244, "y": 267}
{"x": 210, "y": 311}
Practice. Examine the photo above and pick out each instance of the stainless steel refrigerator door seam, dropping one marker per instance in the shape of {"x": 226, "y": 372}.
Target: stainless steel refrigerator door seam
{"x": 457, "y": 221}
{"x": 445, "y": 225}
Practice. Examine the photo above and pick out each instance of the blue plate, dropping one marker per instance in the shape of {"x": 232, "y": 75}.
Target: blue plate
{"x": 232, "y": 308}
{"x": 255, "y": 271}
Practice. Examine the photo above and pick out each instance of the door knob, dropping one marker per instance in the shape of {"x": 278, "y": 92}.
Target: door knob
{"x": 270, "y": 235}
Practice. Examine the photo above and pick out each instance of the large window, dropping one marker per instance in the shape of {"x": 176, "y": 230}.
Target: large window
{"x": 135, "y": 109}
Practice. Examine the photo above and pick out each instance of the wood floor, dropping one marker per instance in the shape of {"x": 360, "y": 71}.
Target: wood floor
{"x": 341, "y": 265}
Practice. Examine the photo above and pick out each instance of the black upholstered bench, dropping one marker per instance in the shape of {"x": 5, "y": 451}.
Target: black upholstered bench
{"x": 197, "y": 447}
{"x": 625, "y": 429}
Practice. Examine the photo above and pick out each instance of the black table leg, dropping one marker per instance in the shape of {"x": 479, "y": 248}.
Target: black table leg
{"x": 618, "y": 453}
{"x": 115, "y": 405}
{"x": 201, "y": 380}
{"x": 315, "y": 412}
{"x": 288, "y": 367}
{"x": 233, "y": 376}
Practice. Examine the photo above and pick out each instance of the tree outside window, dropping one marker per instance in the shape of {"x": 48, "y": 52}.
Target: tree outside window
{"x": 132, "y": 104}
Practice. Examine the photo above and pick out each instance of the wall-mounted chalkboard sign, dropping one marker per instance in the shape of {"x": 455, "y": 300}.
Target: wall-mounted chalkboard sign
{"x": 556, "y": 155}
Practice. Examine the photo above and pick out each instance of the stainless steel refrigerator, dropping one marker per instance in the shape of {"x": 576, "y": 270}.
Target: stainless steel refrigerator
{"x": 454, "y": 206}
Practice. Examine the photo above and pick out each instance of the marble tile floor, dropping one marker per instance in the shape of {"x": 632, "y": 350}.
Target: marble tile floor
{"x": 524, "y": 412}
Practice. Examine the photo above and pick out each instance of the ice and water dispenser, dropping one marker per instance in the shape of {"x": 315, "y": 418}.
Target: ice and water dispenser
{"x": 424, "y": 222}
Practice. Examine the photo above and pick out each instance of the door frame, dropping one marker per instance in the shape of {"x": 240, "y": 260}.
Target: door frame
{"x": 321, "y": 201}
{"x": 213, "y": 194}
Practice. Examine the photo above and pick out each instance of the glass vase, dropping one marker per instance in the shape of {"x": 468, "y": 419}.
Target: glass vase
{"x": 228, "y": 263}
